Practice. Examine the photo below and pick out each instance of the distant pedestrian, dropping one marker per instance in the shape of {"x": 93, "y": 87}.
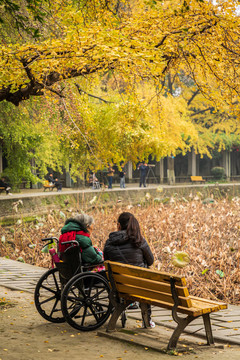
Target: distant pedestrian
{"x": 110, "y": 174}
{"x": 122, "y": 177}
{"x": 143, "y": 167}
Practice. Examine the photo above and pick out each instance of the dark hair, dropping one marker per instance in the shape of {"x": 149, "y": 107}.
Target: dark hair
{"x": 129, "y": 223}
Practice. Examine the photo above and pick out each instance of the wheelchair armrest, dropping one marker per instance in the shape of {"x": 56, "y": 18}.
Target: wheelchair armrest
{"x": 87, "y": 266}
{"x": 70, "y": 242}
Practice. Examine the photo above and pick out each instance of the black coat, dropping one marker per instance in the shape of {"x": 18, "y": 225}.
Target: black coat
{"x": 118, "y": 248}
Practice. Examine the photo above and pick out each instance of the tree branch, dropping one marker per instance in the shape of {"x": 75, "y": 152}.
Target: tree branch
{"x": 35, "y": 88}
{"x": 193, "y": 96}
{"x": 94, "y": 96}
{"x": 202, "y": 111}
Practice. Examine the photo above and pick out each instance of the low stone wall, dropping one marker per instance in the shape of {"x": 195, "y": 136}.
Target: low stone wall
{"x": 29, "y": 205}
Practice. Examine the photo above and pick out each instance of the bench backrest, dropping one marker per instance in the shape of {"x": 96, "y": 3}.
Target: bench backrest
{"x": 46, "y": 183}
{"x": 196, "y": 178}
{"x": 154, "y": 287}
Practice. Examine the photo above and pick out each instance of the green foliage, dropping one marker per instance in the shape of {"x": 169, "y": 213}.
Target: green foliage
{"x": 25, "y": 16}
{"x": 218, "y": 172}
{"x": 29, "y": 141}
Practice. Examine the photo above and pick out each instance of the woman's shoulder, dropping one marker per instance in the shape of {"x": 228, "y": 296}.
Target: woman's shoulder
{"x": 116, "y": 237}
{"x": 144, "y": 243}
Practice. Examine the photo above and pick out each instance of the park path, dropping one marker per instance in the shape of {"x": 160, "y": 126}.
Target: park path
{"x": 225, "y": 323}
{"x": 25, "y": 193}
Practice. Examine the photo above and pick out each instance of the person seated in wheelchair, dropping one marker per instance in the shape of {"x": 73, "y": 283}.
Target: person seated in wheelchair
{"x": 93, "y": 181}
{"x": 79, "y": 228}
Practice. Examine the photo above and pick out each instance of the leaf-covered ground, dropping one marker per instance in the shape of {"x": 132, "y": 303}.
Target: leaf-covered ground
{"x": 209, "y": 233}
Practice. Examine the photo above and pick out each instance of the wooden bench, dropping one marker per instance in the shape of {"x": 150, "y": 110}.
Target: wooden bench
{"x": 130, "y": 283}
{"x": 2, "y": 189}
{"x": 47, "y": 185}
{"x": 197, "y": 179}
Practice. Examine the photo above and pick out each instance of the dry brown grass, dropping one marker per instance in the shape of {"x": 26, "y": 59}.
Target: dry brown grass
{"x": 208, "y": 233}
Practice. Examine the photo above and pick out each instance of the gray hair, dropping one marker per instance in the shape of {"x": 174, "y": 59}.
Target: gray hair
{"x": 84, "y": 219}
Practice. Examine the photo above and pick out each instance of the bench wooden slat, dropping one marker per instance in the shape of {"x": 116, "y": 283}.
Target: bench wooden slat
{"x": 150, "y": 284}
{"x": 145, "y": 273}
{"x": 206, "y": 306}
{"x": 192, "y": 311}
{"x": 134, "y": 291}
{"x": 163, "y": 304}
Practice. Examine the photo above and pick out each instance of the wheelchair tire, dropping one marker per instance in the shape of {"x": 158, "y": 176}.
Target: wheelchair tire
{"x": 47, "y": 296}
{"x": 85, "y": 301}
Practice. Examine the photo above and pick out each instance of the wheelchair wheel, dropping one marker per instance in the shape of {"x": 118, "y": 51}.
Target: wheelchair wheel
{"x": 47, "y": 296}
{"x": 85, "y": 301}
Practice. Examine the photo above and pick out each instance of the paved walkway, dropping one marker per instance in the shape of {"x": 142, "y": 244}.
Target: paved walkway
{"x": 25, "y": 193}
{"x": 225, "y": 323}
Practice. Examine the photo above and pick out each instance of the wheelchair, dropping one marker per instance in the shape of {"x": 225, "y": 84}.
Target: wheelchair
{"x": 71, "y": 292}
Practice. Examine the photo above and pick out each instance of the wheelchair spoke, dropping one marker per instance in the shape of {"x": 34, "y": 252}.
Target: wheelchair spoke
{"x": 54, "y": 307}
{"x": 84, "y": 315}
{"x": 56, "y": 283}
{"x": 49, "y": 289}
{"x": 47, "y": 300}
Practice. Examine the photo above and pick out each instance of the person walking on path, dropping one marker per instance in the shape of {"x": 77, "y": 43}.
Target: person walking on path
{"x": 143, "y": 167}
{"x": 122, "y": 177}
{"x": 110, "y": 174}
{"x": 128, "y": 246}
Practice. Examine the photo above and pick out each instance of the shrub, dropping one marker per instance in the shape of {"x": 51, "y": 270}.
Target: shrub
{"x": 218, "y": 172}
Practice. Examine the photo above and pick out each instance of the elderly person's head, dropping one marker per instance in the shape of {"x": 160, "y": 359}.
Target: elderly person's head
{"x": 85, "y": 220}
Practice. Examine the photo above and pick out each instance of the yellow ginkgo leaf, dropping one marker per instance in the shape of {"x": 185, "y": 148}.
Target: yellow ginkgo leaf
{"x": 180, "y": 259}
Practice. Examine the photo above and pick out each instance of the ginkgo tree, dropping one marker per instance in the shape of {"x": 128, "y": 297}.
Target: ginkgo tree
{"x": 124, "y": 127}
{"x": 136, "y": 43}
{"x": 139, "y": 39}
{"x": 91, "y": 131}
{"x": 217, "y": 129}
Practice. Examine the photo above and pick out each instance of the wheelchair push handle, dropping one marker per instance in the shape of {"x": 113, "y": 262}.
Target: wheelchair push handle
{"x": 50, "y": 240}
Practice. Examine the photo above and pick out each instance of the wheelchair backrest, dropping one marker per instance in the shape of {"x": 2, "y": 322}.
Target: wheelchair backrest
{"x": 71, "y": 262}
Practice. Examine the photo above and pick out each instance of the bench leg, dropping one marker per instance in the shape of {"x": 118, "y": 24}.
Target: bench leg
{"x": 208, "y": 329}
{"x": 119, "y": 308}
{"x": 145, "y": 317}
{"x": 183, "y": 322}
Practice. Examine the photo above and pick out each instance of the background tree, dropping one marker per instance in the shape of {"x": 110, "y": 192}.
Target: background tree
{"x": 136, "y": 39}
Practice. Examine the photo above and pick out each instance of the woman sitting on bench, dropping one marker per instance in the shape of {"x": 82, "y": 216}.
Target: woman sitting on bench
{"x": 128, "y": 246}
